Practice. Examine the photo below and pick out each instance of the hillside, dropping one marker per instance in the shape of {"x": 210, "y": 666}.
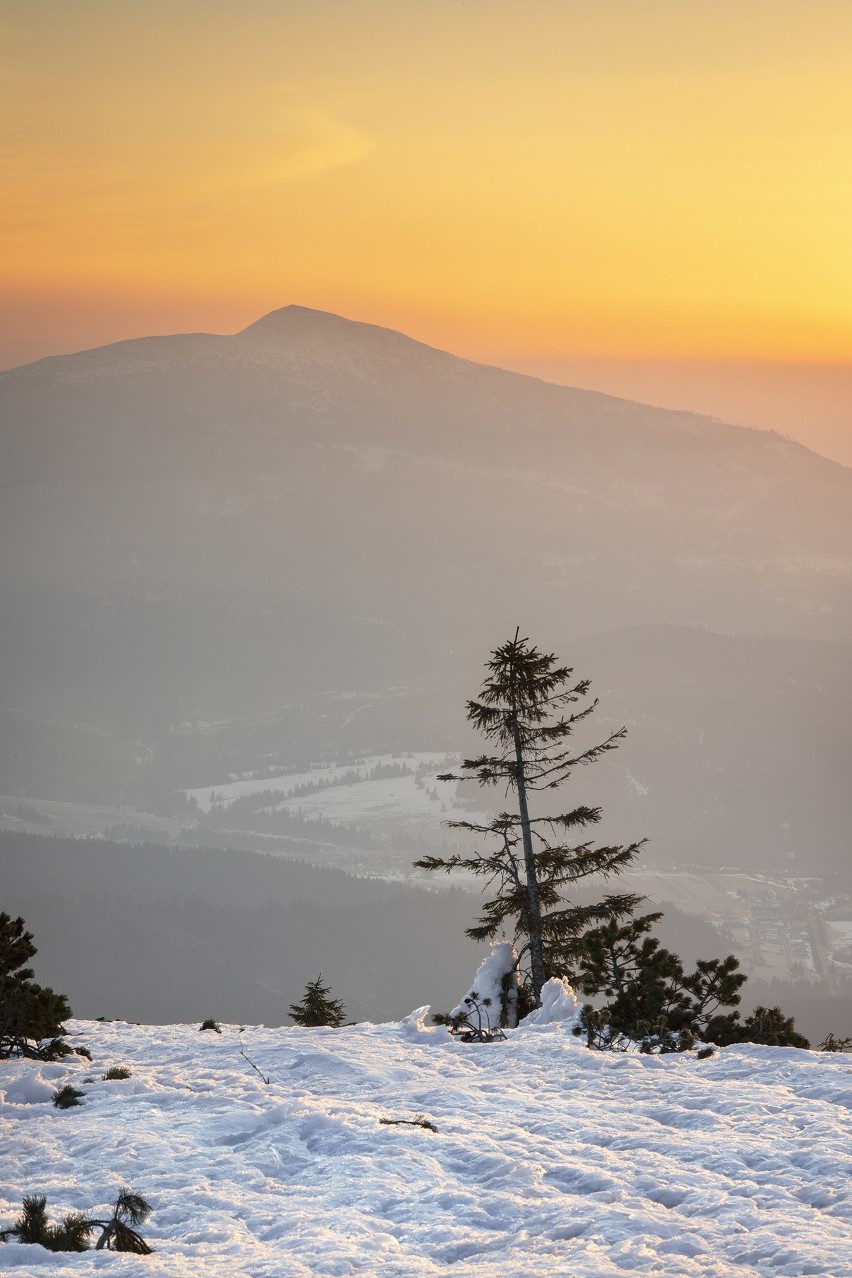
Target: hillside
{"x": 548, "y": 1160}
{"x": 360, "y": 471}
{"x": 296, "y": 544}
{"x": 178, "y": 933}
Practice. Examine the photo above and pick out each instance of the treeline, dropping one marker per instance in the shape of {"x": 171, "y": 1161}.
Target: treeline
{"x": 265, "y": 812}
{"x": 253, "y": 812}
{"x": 155, "y": 934}
{"x": 354, "y": 776}
{"x": 152, "y": 873}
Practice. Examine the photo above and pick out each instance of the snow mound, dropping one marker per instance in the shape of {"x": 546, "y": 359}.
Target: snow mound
{"x": 33, "y": 1086}
{"x": 488, "y": 986}
{"x": 559, "y": 1005}
{"x": 414, "y": 1025}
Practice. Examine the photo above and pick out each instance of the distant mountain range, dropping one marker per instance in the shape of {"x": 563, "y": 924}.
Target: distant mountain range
{"x": 210, "y": 543}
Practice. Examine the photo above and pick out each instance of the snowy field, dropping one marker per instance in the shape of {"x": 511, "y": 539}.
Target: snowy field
{"x": 373, "y": 805}
{"x": 330, "y": 775}
{"x": 414, "y": 806}
{"x": 548, "y": 1160}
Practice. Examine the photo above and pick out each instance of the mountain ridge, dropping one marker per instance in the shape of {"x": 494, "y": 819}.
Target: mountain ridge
{"x": 312, "y": 326}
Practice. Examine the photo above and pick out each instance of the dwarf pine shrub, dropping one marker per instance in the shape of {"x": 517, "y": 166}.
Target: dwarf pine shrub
{"x": 31, "y": 1015}
{"x": 67, "y": 1097}
{"x": 117, "y": 1232}
{"x": 32, "y": 1226}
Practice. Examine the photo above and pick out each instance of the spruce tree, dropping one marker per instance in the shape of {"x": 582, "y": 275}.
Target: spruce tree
{"x": 31, "y": 1015}
{"x": 524, "y": 712}
{"x": 316, "y": 1008}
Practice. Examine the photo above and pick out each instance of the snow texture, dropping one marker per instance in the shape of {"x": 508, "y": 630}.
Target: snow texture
{"x": 549, "y": 1159}
{"x": 488, "y": 987}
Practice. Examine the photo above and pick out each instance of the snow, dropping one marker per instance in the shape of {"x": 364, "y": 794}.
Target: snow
{"x": 559, "y": 1004}
{"x": 487, "y": 986}
{"x": 372, "y": 803}
{"x": 549, "y": 1159}
{"x": 332, "y": 774}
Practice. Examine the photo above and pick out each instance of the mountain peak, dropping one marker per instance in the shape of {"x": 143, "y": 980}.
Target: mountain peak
{"x": 288, "y": 317}
{"x": 304, "y": 320}
{"x": 309, "y": 330}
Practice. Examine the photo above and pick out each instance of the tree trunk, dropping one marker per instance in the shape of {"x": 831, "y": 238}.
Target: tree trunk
{"x": 537, "y": 970}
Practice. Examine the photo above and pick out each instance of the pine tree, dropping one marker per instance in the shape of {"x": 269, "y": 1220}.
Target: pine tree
{"x": 655, "y": 1004}
{"x": 316, "y": 1008}
{"x": 31, "y": 1015}
{"x": 767, "y": 1025}
{"x": 523, "y": 711}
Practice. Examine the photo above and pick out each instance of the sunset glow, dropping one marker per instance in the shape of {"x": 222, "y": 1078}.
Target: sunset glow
{"x": 535, "y": 181}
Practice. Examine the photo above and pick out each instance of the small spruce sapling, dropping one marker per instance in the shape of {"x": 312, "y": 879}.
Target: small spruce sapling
{"x": 475, "y": 1020}
{"x": 316, "y": 1008}
{"x": 32, "y": 1226}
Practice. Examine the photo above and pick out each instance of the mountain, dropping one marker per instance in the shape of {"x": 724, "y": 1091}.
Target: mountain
{"x": 312, "y": 456}
{"x": 212, "y": 543}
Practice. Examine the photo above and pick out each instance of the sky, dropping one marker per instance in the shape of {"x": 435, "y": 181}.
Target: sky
{"x": 652, "y": 198}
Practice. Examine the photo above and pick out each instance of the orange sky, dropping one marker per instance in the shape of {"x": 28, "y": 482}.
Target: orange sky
{"x": 534, "y": 184}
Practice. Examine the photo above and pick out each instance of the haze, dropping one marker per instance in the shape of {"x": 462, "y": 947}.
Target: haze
{"x": 340, "y": 341}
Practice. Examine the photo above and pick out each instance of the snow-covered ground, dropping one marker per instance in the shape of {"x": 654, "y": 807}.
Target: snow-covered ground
{"x": 375, "y": 805}
{"x": 548, "y": 1159}
{"x": 413, "y": 806}
{"x": 330, "y": 775}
